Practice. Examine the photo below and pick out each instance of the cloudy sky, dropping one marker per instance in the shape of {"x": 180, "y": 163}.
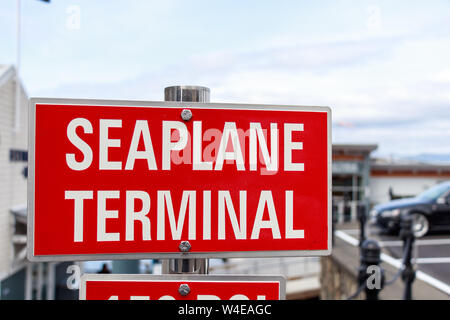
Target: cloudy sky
{"x": 382, "y": 66}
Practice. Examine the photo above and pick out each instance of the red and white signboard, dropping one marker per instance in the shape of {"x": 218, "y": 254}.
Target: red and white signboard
{"x": 131, "y": 180}
{"x": 167, "y": 287}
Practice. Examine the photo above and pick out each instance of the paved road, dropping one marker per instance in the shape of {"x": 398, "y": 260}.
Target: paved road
{"x": 432, "y": 251}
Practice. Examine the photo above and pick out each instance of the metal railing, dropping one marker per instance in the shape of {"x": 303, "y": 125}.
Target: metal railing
{"x": 370, "y": 252}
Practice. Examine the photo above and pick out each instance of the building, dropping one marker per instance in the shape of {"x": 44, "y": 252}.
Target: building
{"x": 19, "y": 279}
{"x": 351, "y": 175}
{"x": 360, "y": 180}
{"x": 13, "y": 168}
{"x": 403, "y": 179}
{"x": 13, "y": 185}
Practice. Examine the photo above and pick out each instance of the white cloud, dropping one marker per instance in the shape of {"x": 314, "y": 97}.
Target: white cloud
{"x": 390, "y": 87}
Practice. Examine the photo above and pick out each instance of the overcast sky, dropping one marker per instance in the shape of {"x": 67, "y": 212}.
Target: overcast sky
{"x": 382, "y": 66}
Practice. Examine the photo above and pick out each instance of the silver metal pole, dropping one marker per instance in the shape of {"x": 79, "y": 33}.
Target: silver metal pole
{"x": 188, "y": 94}
{"x": 51, "y": 280}
{"x": 39, "y": 282}
{"x": 17, "y": 89}
{"x": 29, "y": 281}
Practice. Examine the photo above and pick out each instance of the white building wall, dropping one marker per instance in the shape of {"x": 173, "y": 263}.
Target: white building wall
{"x": 13, "y": 185}
{"x": 401, "y": 186}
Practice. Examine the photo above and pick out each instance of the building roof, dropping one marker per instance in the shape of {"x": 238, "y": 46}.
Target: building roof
{"x": 6, "y": 72}
{"x": 3, "y": 67}
{"x": 354, "y": 147}
{"x": 441, "y": 171}
{"x": 415, "y": 167}
{"x": 352, "y": 152}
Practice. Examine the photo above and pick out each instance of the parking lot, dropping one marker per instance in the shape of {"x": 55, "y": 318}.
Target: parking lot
{"x": 431, "y": 254}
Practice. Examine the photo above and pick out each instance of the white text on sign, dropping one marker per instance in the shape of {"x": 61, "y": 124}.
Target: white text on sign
{"x": 191, "y": 200}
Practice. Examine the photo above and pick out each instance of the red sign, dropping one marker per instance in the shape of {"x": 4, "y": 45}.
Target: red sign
{"x": 181, "y": 287}
{"x": 134, "y": 180}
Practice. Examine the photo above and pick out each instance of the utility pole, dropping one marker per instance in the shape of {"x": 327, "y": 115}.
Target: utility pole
{"x": 18, "y": 53}
{"x": 17, "y": 100}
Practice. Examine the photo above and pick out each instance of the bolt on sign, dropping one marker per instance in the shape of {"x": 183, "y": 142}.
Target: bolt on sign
{"x": 131, "y": 180}
{"x": 181, "y": 287}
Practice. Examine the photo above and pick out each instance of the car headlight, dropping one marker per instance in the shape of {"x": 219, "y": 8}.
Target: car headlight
{"x": 391, "y": 213}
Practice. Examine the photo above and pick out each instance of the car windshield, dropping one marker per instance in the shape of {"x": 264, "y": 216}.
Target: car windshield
{"x": 434, "y": 192}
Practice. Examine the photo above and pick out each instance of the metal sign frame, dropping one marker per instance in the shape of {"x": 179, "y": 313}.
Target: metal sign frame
{"x": 164, "y": 255}
{"x": 182, "y": 277}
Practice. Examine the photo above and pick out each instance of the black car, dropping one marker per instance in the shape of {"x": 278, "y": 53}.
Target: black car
{"x": 430, "y": 211}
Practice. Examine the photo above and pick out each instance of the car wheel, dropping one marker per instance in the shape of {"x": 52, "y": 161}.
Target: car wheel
{"x": 420, "y": 225}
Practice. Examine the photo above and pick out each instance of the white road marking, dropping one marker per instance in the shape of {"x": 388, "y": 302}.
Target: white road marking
{"x": 430, "y": 242}
{"x": 398, "y": 264}
{"x": 347, "y": 238}
{"x": 391, "y": 260}
{"x": 432, "y": 260}
{"x": 433, "y": 282}
{"x": 394, "y": 243}
{"x": 350, "y": 231}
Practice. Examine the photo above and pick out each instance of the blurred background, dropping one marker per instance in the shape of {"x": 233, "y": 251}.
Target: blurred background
{"x": 382, "y": 66}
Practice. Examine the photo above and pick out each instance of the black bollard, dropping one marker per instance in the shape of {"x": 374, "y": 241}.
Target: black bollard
{"x": 362, "y": 218}
{"x": 333, "y": 224}
{"x": 408, "y": 273}
{"x": 370, "y": 258}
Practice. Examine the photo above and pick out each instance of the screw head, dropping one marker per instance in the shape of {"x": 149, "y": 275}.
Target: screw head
{"x": 186, "y": 114}
{"x": 184, "y": 289}
{"x": 184, "y": 246}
